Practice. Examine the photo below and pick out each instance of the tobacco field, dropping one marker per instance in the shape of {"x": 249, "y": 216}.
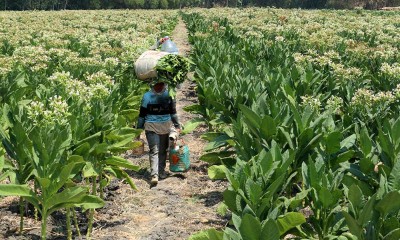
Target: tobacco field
{"x": 301, "y": 109}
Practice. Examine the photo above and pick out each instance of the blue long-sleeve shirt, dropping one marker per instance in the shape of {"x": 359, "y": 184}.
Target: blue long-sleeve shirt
{"x": 157, "y": 108}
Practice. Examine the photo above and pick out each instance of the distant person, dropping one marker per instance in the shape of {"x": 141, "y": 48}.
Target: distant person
{"x": 158, "y": 117}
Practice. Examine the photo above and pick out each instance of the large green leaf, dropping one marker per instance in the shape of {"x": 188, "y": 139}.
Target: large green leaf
{"x": 123, "y": 133}
{"x": 326, "y": 197}
{"x": 230, "y": 234}
{"x": 216, "y": 157}
{"x": 394, "y": 177}
{"x": 218, "y": 142}
{"x": 121, "y": 174}
{"x": 393, "y": 235}
{"x": 384, "y": 142}
{"x": 101, "y": 148}
{"x": 90, "y": 202}
{"x": 90, "y": 138}
{"x": 294, "y": 109}
{"x": 353, "y": 225}
{"x": 396, "y": 132}
{"x": 309, "y": 145}
{"x": 195, "y": 108}
{"x": 192, "y": 125}
{"x": 268, "y": 127}
{"x": 72, "y": 195}
{"x": 89, "y": 170}
{"x": 365, "y": 142}
{"x": 389, "y": 203}
{"x": 274, "y": 187}
{"x": 121, "y": 162}
{"x": 210, "y": 136}
{"x": 1, "y": 159}
{"x": 290, "y": 220}
{"x": 217, "y": 172}
{"x": 333, "y": 142}
{"x": 209, "y": 234}
{"x": 287, "y": 137}
{"x": 270, "y": 230}
{"x": 230, "y": 199}
{"x": 121, "y": 143}
{"x": 252, "y": 119}
{"x": 355, "y": 196}
{"x": 344, "y": 157}
{"x": 348, "y": 142}
{"x": 253, "y": 191}
{"x": 62, "y": 178}
{"x": 15, "y": 190}
{"x": 366, "y": 213}
{"x": 250, "y": 228}
{"x": 390, "y": 224}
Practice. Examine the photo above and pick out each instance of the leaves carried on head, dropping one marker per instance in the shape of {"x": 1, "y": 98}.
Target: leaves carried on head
{"x": 172, "y": 69}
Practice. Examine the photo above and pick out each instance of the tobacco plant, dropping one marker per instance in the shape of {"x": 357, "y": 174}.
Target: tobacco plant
{"x": 44, "y": 152}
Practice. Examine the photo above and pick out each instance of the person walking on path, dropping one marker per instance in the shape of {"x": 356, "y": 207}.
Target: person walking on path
{"x": 158, "y": 117}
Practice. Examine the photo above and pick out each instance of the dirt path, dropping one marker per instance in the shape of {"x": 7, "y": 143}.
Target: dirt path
{"x": 181, "y": 204}
{"x": 178, "y": 207}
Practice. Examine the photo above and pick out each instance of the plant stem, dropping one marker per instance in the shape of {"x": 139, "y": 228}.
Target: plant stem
{"x": 76, "y": 223}
{"x": 69, "y": 231}
{"x": 35, "y": 209}
{"x": 101, "y": 190}
{"x": 21, "y": 214}
{"x": 100, "y": 187}
{"x": 44, "y": 224}
{"x": 90, "y": 224}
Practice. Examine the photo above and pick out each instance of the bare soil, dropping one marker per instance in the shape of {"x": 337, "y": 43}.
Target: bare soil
{"x": 176, "y": 208}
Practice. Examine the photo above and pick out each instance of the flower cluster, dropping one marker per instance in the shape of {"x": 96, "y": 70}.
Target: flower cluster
{"x": 392, "y": 71}
{"x": 367, "y": 98}
{"x": 98, "y": 91}
{"x": 99, "y": 78}
{"x": 61, "y": 77}
{"x": 32, "y": 57}
{"x": 55, "y": 112}
{"x": 345, "y": 73}
{"x": 279, "y": 39}
{"x": 311, "y": 101}
{"x": 6, "y": 65}
{"x": 335, "y": 105}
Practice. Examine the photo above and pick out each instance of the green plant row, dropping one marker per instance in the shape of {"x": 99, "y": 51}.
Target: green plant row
{"x": 308, "y": 154}
{"x": 65, "y": 121}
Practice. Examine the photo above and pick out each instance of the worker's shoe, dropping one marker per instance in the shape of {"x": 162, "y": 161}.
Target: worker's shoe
{"x": 164, "y": 175}
{"x": 154, "y": 180}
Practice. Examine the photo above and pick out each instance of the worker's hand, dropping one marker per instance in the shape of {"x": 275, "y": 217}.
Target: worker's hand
{"x": 162, "y": 40}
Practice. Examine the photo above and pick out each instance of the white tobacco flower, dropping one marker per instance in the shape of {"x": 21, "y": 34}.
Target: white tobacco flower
{"x": 310, "y": 101}
{"x": 396, "y": 91}
{"x": 323, "y": 61}
{"x": 61, "y": 77}
{"x": 392, "y": 71}
{"x": 56, "y": 112}
{"x": 362, "y": 97}
{"x": 98, "y": 91}
{"x": 384, "y": 97}
{"x": 335, "y": 104}
{"x": 332, "y": 54}
{"x": 279, "y": 39}
{"x": 99, "y": 78}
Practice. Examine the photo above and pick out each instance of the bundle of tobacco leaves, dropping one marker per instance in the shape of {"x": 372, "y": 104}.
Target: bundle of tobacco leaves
{"x": 172, "y": 69}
